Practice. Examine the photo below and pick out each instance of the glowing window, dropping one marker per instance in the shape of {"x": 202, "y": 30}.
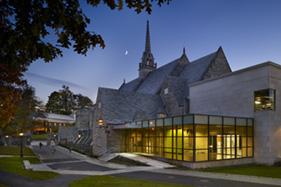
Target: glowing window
{"x": 264, "y": 100}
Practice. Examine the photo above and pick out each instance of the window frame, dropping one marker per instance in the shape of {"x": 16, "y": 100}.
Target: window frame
{"x": 274, "y": 100}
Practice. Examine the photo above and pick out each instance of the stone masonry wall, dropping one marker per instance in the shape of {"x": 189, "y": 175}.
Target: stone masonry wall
{"x": 234, "y": 96}
{"x": 218, "y": 67}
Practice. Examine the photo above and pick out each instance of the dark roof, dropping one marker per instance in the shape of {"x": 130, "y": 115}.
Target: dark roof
{"x": 196, "y": 69}
{"x": 178, "y": 85}
{"x": 131, "y": 86}
{"x": 152, "y": 83}
{"x": 123, "y": 106}
{"x": 191, "y": 72}
{"x": 52, "y": 117}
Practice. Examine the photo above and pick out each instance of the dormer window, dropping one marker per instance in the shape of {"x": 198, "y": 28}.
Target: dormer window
{"x": 166, "y": 91}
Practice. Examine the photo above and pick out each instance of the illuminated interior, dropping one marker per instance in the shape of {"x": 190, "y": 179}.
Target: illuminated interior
{"x": 192, "y": 138}
{"x": 264, "y": 100}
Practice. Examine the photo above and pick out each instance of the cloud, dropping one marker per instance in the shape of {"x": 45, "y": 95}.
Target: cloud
{"x": 52, "y": 81}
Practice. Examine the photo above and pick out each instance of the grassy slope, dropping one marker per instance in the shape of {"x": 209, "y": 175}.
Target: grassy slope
{"x": 15, "y": 164}
{"x": 106, "y": 181}
{"x": 39, "y": 137}
{"x": 15, "y": 150}
{"x": 255, "y": 170}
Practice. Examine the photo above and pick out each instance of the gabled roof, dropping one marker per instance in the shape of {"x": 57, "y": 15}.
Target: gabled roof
{"x": 191, "y": 72}
{"x": 196, "y": 69}
{"x": 123, "y": 106}
{"x": 52, "y": 117}
{"x": 152, "y": 83}
{"x": 131, "y": 86}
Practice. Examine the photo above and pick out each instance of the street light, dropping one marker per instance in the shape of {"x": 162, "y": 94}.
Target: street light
{"x": 21, "y": 144}
{"x": 100, "y": 122}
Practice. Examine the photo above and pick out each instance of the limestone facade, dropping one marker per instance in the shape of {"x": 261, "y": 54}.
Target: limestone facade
{"x": 233, "y": 95}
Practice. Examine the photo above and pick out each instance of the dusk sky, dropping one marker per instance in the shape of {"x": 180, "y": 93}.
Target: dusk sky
{"x": 248, "y": 30}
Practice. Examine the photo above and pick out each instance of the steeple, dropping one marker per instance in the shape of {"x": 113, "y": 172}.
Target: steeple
{"x": 147, "y": 62}
{"x": 184, "y": 57}
{"x": 147, "y": 39}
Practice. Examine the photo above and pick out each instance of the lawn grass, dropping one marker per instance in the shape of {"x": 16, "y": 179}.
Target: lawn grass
{"x": 15, "y": 150}
{"x": 15, "y": 165}
{"x": 254, "y": 170}
{"x": 39, "y": 136}
{"x": 108, "y": 181}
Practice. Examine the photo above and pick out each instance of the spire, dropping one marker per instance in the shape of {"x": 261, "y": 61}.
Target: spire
{"x": 184, "y": 57}
{"x": 147, "y": 39}
{"x": 147, "y": 61}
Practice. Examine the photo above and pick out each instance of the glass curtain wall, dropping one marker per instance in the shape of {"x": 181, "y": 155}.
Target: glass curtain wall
{"x": 192, "y": 138}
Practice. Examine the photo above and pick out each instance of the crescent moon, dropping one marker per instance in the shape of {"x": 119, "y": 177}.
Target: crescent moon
{"x": 126, "y": 52}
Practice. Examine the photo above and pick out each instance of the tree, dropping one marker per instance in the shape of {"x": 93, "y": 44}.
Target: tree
{"x": 25, "y": 107}
{"x": 65, "y": 101}
{"x": 24, "y": 29}
{"x": 83, "y": 101}
{"x": 26, "y": 24}
{"x": 9, "y": 98}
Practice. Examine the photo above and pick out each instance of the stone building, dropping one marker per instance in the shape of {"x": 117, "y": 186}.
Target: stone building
{"x": 198, "y": 113}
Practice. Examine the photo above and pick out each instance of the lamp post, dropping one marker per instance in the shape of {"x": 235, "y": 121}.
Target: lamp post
{"x": 7, "y": 140}
{"x": 100, "y": 122}
{"x": 21, "y": 144}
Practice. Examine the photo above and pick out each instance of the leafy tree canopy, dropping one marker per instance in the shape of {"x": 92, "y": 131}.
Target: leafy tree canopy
{"x": 24, "y": 29}
{"x": 24, "y": 109}
{"x": 65, "y": 101}
{"x": 25, "y": 25}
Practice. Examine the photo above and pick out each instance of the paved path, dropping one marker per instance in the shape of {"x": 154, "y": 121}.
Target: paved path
{"x": 13, "y": 180}
{"x": 73, "y": 166}
{"x": 48, "y": 154}
{"x": 190, "y": 180}
{"x": 89, "y": 166}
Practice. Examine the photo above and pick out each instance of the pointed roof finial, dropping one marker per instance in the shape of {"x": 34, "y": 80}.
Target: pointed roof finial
{"x": 183, "y": 51}
{"x": 147, "y": 40}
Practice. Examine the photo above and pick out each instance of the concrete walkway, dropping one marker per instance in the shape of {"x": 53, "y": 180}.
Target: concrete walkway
{"x": 84, "y": 165}
{"x": 13, "y": 180}
{"x": 138, "y": 158}
{"x": 223, "y": 176}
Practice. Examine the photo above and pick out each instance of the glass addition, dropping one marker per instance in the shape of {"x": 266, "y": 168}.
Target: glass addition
{"x": 193, "y": 138}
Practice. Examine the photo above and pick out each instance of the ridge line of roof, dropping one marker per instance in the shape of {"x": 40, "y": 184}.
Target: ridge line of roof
{"x": 238, "y": 71}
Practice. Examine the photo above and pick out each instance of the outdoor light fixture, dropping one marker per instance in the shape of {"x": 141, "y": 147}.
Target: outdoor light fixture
{"x": 21, "y": 144}
{"x": 6, "y": 136}
{"x": 100, "y": 122}
{"x": 79, "y": 136}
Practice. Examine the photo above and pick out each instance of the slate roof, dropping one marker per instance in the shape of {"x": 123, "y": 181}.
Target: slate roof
{"x": 192, "y": 71}
{"x": 131, "y": 86}
{"x": 178, "y": 85}
{"x": 139, "y": 99}
{"x": 52, "y": 117}
{"x": 196, "y": 69}
{"x": 123, "y": 106}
